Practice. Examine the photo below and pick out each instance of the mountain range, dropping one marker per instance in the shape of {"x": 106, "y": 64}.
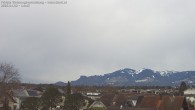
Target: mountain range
{"x": 143, "y": 77}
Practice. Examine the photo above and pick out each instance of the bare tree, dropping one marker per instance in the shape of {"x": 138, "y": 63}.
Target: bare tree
{"x": 8, "y": 74}
{"x": 9, "y": 78}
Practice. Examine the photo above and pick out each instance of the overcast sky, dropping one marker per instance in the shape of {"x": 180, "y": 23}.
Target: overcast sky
{"x": 50, "y": 43}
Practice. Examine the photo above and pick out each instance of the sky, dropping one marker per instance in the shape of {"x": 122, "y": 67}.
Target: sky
{"x": 50, "y": 43}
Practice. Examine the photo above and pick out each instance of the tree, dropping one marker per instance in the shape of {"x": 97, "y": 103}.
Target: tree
{"x": 74, "y": 102}
{"x": 9, "y": 78}
{"x": 31, "y": 103}
{"x": 51, "y": 97}
{"x": 182, "y": 88}
{"x": 68, "y": 88}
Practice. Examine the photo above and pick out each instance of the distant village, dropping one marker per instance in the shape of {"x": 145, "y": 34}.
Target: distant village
{"x": 52, "y": 97}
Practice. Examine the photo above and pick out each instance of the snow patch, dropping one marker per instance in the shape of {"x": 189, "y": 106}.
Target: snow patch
{"x": 139, "y": 71}
{"x": 166, "y": 73}
{"x": 163, "y": 73}
{"x": 190, "y": 82}
{"x": 147, "y": 79}
{"x": 143, "y": 80}
{"x": 122, "y": 72}
{"x": 129, "y": 71}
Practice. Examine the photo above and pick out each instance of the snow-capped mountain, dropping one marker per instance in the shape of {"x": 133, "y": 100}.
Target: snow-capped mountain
{"x": 143, "y": 77}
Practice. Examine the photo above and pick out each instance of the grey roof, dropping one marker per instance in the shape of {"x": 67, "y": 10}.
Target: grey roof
{"x": 135, "y": 97}
{"x": 32, "y": 93}
{"x": 20, "y": 93}
{"x": 23, "y": 93}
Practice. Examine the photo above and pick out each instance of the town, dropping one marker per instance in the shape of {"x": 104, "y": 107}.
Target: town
{"x": 15, "y": 95}
{"x": 53, "y": 97}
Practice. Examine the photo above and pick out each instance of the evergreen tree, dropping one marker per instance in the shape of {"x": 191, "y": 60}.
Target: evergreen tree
{"x": 31, "y": 103}
{"x": 51, "y": 97}
{"x": 182, "y": 88}
{"x": 68, "y": 88}
{"x": 74, "y": 102}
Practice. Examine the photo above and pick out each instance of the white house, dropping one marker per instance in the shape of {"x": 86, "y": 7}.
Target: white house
{"x": 190, "y": 91}
{"x": 97, "y": 104}
{"x": 21, "y": 94}
{"x": 93, "y": 95}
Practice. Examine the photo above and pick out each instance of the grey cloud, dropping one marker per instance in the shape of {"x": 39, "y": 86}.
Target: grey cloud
{"x": 51, "y": 43}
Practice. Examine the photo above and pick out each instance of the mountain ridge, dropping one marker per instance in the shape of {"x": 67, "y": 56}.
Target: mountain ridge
{"x": 143, "y": 77}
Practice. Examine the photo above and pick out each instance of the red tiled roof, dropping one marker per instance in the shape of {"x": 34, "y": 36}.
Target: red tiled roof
{"x": 163, "y": 102}
{"x": 171, "y": 103}
{"x": 149, "y": 102}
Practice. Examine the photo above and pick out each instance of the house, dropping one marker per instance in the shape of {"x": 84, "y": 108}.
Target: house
{"x": 191, "y": 101}
{"x": 115, "y": 101}
{"x": 97, "y": 104}
{"x": 190, "y": 91}
{"x": 120, "y": 100}
{"x": 11, "y": 102}
{"x": 5, "y": 97}
{"x": 132, "y": 101}
{"x": 162, "y": 103}
{"x": 93, "y": 95}
{"x": 173, "y": 103}
{"x": 21, "y": 94}
{"x": 149, "y": 102}
{"x": 107, "y": 99}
